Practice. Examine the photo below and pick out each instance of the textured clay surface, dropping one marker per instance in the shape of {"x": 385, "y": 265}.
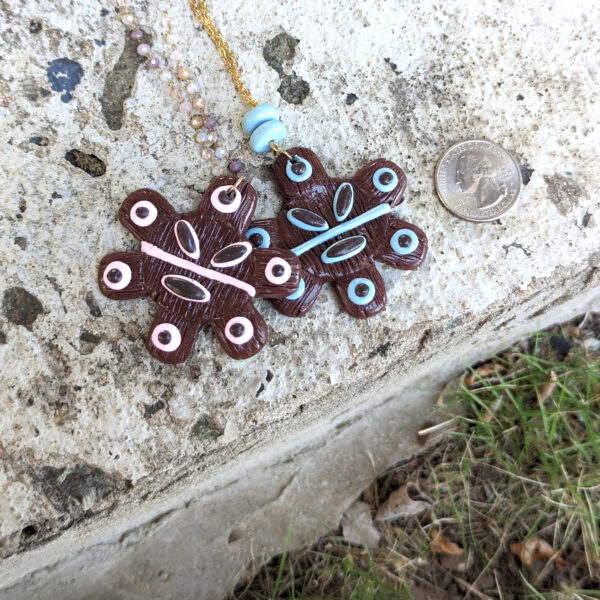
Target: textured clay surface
{"x": 315, "y": 207}
{"x": 200, "y": 269}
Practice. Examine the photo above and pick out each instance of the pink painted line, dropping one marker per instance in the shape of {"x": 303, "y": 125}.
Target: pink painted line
{"x": 152, "y": 250}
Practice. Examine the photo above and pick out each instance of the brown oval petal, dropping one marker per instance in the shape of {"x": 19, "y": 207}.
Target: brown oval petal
{"x": 344, "y": 249}
{"x": 187, "y": 238}
{"x": 311, "y": 221}
{"x": 343, "y": 201}
{"x": 185, "y": 288}
{"x": 231, "y": 254}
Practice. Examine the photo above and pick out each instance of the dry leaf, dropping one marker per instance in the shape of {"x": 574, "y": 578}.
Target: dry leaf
{"x": 440, "y": 544}
{"x": 545, "y": 391}
{"x": 536, "y": 548}
{"x": 492, "y": 409}
{"x": 482, "y": 372}
{"x": 357, "y": 526}
{"x": 403, "y": 503}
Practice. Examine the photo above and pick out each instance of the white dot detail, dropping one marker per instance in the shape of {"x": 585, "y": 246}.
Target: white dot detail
{"x": 246, "y": 335}
{"x": 125, "y": 271}
{"x": 173, "y": 343}
{"x": 223, "y": 206}
{"x": 278, "y": 279}
{"x": 146, "y": 220}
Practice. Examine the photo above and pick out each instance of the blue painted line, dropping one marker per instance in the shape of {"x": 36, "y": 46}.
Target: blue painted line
{"x": 370, "y": 215}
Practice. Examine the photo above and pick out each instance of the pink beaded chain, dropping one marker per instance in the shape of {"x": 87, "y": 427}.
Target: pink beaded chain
{"x": 190, "y": 103}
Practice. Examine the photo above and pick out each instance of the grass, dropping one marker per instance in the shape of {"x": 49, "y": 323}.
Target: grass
{"x": 519, "y": 467}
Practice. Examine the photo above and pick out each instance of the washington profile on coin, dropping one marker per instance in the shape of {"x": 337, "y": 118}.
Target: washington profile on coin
{"x": 478, "y": 180}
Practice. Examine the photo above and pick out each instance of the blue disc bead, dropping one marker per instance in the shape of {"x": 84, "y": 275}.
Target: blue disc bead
{"x": 257, "y": 116}
{"x": 263, "y": 135}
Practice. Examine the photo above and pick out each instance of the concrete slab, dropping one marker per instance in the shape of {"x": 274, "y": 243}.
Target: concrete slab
{"x": 144, "y": 471}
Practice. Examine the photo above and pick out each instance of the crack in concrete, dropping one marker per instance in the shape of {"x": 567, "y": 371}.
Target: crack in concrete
{"x": 506, "y": 247}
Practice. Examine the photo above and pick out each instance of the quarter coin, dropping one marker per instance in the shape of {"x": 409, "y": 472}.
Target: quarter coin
{"x": 478, "y": 180}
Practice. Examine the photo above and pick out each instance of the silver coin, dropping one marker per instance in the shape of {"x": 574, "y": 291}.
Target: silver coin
{"x": 478, "y": 180}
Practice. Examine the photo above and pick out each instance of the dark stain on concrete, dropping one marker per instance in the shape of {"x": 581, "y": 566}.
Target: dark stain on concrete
{"x": 64, "y": 75}
{"x": 39, "y": 140}
{"x": 89, "y": 163}
{"x": 526, "y": 251}
{"x": 564, "y": 192}
{"x": 119, "y": 83}
{"x": 88, "y": 342}
{"x": 293, "y": 89}
{"x": 21, "y": 242}
{"x": 205, "y": 428}
{"x": 21, "y": 307}
{"x": 588, "y": 220}
{"x": 35, "y": 26}
{"x": 279, "y": 52}
{"x": 526, "y": 173}
{"x": 392, "y": 65}
{"x": 152, "y": 409}
{"x": 92, "y": 305}
{"x": 75, "y": 490}
{"x": 2, "y": 338}
{"x": 89, "y": 337}
{"x": 381, "y": 350}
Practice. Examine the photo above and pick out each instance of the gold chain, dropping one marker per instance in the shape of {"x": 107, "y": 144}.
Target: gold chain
{"x": 201, "y": 13}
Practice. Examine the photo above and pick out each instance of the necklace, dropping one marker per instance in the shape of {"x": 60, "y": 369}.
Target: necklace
{"x": 319, "y": 210}
{"x": 205, "y": 266}
{"x": 198, "y": 266}
{"x": 173, "y": 72}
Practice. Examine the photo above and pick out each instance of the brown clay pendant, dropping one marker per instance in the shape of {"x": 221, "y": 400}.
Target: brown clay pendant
{"x": 206, "y": 266}
{"x": 338, "y": 228}
{"x": 199, "y": 268}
